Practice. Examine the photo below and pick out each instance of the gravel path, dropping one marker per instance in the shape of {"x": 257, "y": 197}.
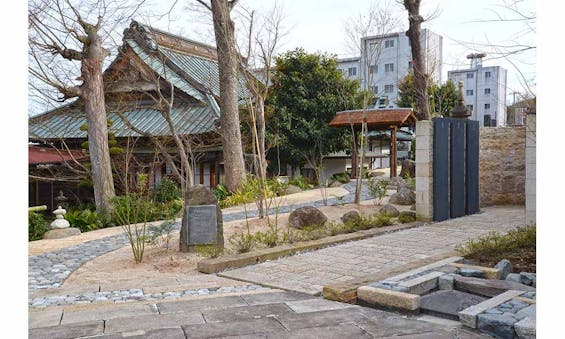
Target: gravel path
{"x": 49, "y": 270}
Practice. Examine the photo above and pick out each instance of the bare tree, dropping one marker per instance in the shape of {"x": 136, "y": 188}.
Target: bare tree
{"x": 377, "y": 21}
{"x": 76, "y": 32}
{"x": 415, "y": 21}
{"x": 228, "y": 64}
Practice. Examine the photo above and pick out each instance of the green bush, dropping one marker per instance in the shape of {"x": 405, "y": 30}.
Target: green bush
{"x": 243, "y": 242}
{"x": 167, "y": 190}
{"x": 406, "y": 218}
{"x": 269, "y": 238}
{"x": 378, "y": 189}
{"x": 220, "y": 192}
{"x": 87, "y": 220}
{"x": 494, "y": 244}
{"x": 301, "y": 182}
{"x": 37, "y": 226}
{"x": 341, "y": 177}
{"x": 209, "y": 251}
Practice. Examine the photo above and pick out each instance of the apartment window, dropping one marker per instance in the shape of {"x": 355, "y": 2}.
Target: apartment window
{"x": 352, "y": 71}
{"x": 487, "y": 120}
{"x": 375, "y": 89}
{"x": 469, "y": 92}
{"x": 487, "y": 90}
{"x": 389, "y": 88}
{"x": 470, "y": 75}
{"x": 389, "y": 68}
{"x": 410, "y": 64}
{"x": 487, "y": 107}
{"x": 470, "y": 108}
{"x": 389, "y": 43}
{"x": 373, "y": 69}
{"x": 487, "y": 74}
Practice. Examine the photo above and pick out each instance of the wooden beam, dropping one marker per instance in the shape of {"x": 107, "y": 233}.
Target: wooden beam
{"x": 393, "y": 155}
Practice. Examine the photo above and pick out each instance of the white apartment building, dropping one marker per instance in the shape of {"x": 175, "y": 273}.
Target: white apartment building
{"x": 484, "y": 90}
{"x": 387, "y": 59}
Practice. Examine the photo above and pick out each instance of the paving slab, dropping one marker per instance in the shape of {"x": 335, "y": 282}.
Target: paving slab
{"x": 44, "y": 318}
{"x": 488, "y": 287}
{"x": 152, "y": 321}
{"x": 200, "y": 304}
{"x": 223, "y": 329}
{"x": 233, "y": 314}
{"x": 468, "y": 316}
{"x": 316, "y": 305}
{"x": 295, "y": 321}
{"x": 67, "y": 331}
{"x": 106, "y": 312}
{"x": 448, "y": 304}
{"x": 274, "y": 297}
{"x": 161, "y": 333}
{"x": 326, "y": 332}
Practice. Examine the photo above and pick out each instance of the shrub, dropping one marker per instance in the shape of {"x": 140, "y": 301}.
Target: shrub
{"x": 377, "y": 189}
{"x": 167, "y": 190}
{"x": 37, "y": 226}
{"x": 495, "y": 244}
{"x": 269, "y": 238}
{"x": 220, "y": 192}
{"x": 290, "y": 236}
{"x": 243, "y": 242}
{"x": 87, "y": 220}
{"x": 161, "y": 235}
{"x": 209, "y": 251}
{"x": 128, "y": 211}
{"x": 301, "y": 182}
{"x": 341, "y": 177}
{"x": 406, "y": 218}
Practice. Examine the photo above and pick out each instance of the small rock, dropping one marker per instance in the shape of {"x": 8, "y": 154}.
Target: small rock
{"x": 529, "y": 295}
{"x": 403, "y": 197}
{"x": 505, "y": 266}
{"x": 389, "y": 210}
{"x": 291, "y": 189}
{"x": 513, "y": 277}
{"x": 527, "y": 278}
{"x": 469, "y": 272}
{"x": 498, "y": 325}
{"x": 446, "y": 282}
{"x": 529, "y": 311}
{"x": 306, "y": 216}
{"x": 526, "y": 328}
{"x": 351, "y": 216}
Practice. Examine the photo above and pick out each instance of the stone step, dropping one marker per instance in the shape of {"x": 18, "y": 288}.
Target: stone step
{"x": 448, "y": 304}
{"x": 488, "y": 287}
{"x": 468, "y": 316}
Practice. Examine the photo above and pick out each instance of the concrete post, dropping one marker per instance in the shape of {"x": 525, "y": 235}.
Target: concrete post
{"x": 424, "y": 170}
{"x": 531, "y": 168}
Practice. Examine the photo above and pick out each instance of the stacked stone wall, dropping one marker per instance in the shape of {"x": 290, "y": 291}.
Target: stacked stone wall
{"x": 502, "y": 166}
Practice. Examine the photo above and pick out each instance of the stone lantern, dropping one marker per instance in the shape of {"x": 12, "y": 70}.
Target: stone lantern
{"x": 460, "y": 111}
{"x": 60, "y": 227}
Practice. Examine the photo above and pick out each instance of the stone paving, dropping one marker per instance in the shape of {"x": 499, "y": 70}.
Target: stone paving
{"x": 308, "y": 272}
{"x": 260, "y": 315}
{"x": 49, "y": 270}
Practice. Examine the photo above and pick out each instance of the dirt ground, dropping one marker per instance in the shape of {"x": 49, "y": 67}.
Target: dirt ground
{"x": 168, "y": 264}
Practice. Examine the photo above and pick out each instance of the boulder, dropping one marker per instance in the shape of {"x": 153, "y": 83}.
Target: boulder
{"x": 389, "y": 210}
{"x": 408, "y": 169}
{"x": 526, "y": 328}
{"x": 336, "y": 184}
{"x": 469, "y": 272}
{"x": 497, "y": 325}
{"x": 527, "y": 278}
{"x": 306, "y": 216}
{"x": 404, "y": 197}
{"x": 351, "y": 216}
{"x": 513, "y": 277}
{"x": 291, "y": 189}
{"x": 505, "y": 266}
{"x": 396, "y": 181}
{"x": 58, "y": 233}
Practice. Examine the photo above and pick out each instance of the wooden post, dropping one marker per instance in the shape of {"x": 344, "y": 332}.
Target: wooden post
{"x": 354, "y": 156}
{"x": 393, "y": 157}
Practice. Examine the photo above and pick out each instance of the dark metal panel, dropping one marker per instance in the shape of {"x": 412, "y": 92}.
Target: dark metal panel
{"x": 457, "y": 168}
{"x": 440, "y": 168}
{"x": 472, "y": 168}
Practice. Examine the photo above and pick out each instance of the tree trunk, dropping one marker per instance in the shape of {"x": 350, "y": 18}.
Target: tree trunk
{"x": 95, "y": 108}
{"x": 261, "y": 136}
{"x": 228, "y": 68}
{"x": 420, "y": 77}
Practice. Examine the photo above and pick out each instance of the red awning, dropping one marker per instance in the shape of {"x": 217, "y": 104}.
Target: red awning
{"x": 375, "y": 118}
{"x": 47, "y": 155}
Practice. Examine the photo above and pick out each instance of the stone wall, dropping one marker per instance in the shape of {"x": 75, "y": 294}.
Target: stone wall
{"x": 502, "y": 166}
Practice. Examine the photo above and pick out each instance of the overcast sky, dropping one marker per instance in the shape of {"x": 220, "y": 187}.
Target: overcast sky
{"x": 318, "y": 26}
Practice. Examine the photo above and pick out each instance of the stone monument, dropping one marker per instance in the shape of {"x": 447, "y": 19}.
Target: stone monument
{"x": 201, "y": 221}
{"x": 60, "y": 228}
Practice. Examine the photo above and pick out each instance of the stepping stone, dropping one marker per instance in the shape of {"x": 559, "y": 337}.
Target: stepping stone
{"x": 448, "y": 304}
{"x": 488, "y": 287}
